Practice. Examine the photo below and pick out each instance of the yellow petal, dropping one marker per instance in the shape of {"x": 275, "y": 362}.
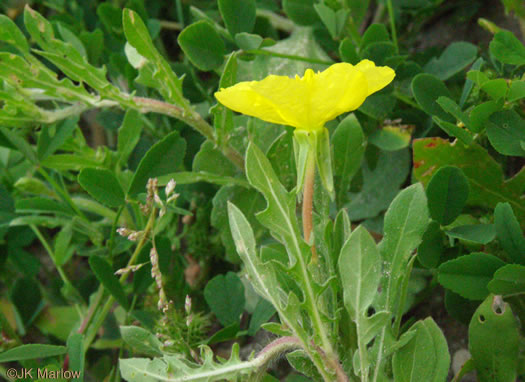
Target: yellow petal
{"x": 377, "y": 76}
{"x": 274, "y": 99}
{"x": 338, "y": 89}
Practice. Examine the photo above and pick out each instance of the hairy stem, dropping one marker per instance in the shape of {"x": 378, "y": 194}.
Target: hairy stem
{"x": 308, "y": 198}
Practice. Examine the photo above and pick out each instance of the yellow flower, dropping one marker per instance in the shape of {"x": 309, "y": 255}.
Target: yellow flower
{"x": 307, "y": 103}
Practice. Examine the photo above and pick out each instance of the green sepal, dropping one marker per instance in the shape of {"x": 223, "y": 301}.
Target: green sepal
{"x": 316, "y": 142}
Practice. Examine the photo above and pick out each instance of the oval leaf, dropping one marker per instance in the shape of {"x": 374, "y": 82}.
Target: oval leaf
{"x": 102, "y": 185}
{"x": 447, "y": 194}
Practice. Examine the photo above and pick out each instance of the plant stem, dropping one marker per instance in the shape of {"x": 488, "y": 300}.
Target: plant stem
{"x": 308, "y": 198}
{"x": 263, "y": 52}
{"x": 392, "y": 23}
{"x": 92, "y": 332}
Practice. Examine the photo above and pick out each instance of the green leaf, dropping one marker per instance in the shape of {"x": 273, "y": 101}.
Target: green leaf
{"x": 238, "y": 15}
{"x": 102, "y": 185}
{"x": 374, "y": 33}
{"x": 10, "y": 34}
{"x": 494, "y": 341}
{"x": 476, "y": 233}
{"x": 264, "y": 310}
{"x": 189, "y": 177}
{"x": 248, "y": 41}
{"x": 454, "y": 131}
{"x": 447, "y": 194}
{"x": 137, "y": 34}
{"x": 405, "y": 223}
{"x": 301, "y": 12}
{"x": 105, "y": 276}
{"x": 203, "y": 45}
{"x": 453, "y": 108}
{"x": 25, "y": 295}
{"x": 175, "y": 368}
{"x": 380, "y": 185}
{"x": 141, "y": 340}
{"x": 431, "y": 247}
{"x": 358, "y": 10}
{"x": 62, "y": 249}
{"x": 48, "y": 144}
{"x": 162, "y": 158}
{"x": 333, "y": 20}
{"x": 509, "y": 232}
{"x": 507, "y": 48}
{"x": 129, "y": 134}
{"x": 378, "y": 106}
{"x": 508, "y": 280}
{"x": 42, "y": 205}
{"x": 496, "y": 89}
{"x": 425, "y": 357}
{"x": 31, "y": 351}
{"x": 20, "y": 143}
{"x": 349, "y": 147}
{"x": 458, "y": 307}
{"x": 359, "y": 272}
{"x": 469, "y": 275}
{"x": 456, "y": 57}
{"x": 426, "y": 89}
{"x": 75, "y": 352}
{"x": 480, "y": 114}
{"x": 348, "y": 51}
{"x": 506, "y": 132}
{"x": 211, "y": 160}
{"x": 390, "y": 138}
{"x": 484, "y": 174}
{"x": 225, "y": 297}
{"x": 262, "y": 276}
{"x": 516, "y": 91}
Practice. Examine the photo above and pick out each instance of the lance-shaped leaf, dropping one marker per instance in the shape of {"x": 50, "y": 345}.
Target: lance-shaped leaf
{"x": 405, "y": 223}
{"x": 360, "y": 270}
{"x": 169, "y": 85}
{"x": 10, "y": 34}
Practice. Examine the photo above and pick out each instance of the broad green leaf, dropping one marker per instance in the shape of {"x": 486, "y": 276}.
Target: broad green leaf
{"x": 447, "y": 194}
{"x": 238, "y": 15}
{"x": 62, "y": 249}
{"x": 378, "y": 106}
{"x": 374, "y": 33}
{"x": 509, "y": 233}
{"x": 390, "y": 138}
{"x": 202, "y": 45}
{"x": 494, "y": 323}
{"x": 264, "y": 310}
{"x": 425, "y": 357}
{"x": 301, "y": 12}
{"x": 25, "y": 295}
{"x": 42, "y": 205}
{"x": 459, "y": 307}
{"x": 516, "y": 91}
{"x": 348, "y": 51}
{"x": 75, "y": 352}
{"x": 431, "y": 247}
{"x": 360, "y": 272}
{"x": 469, "y": 275}
{"x": 137, "y": 34}
{"x": 69, "y": 37}
{"x": 380, "y": 185}
{"x": 476, "y": 233}
{"x": 358, "y": 9}
{"x": 31, "y": 351}
{"x": 10, "y": 34}
{"x": 485, "y": 176}
{"x": 480, "y": 114}
{"x": 102, "y": 185}
{"x": 105, "y": 276}
{"x": 426, "y": 89}
{"x": 506, "y": 132}
{"x": 508, "y": 280}
{"x": 281, "y": 156}
{"x": 162, "y": 158}
{"x": 211, "y": 160}
{"x": 225, "y": 297}
{"x": 507, "y": 48}
{"x": 405, "y": 223}
{"x": 141, "y": 340}
{"x": 456, "y": 57}
{"x": 496, "y": 88}
{"x": 174, "y": 368}
{"x": 248, "y": 41}
{"x": 129, "y": 134}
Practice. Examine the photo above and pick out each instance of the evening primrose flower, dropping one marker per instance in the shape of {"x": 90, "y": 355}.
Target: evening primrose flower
{"x": 307, "y": 102}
